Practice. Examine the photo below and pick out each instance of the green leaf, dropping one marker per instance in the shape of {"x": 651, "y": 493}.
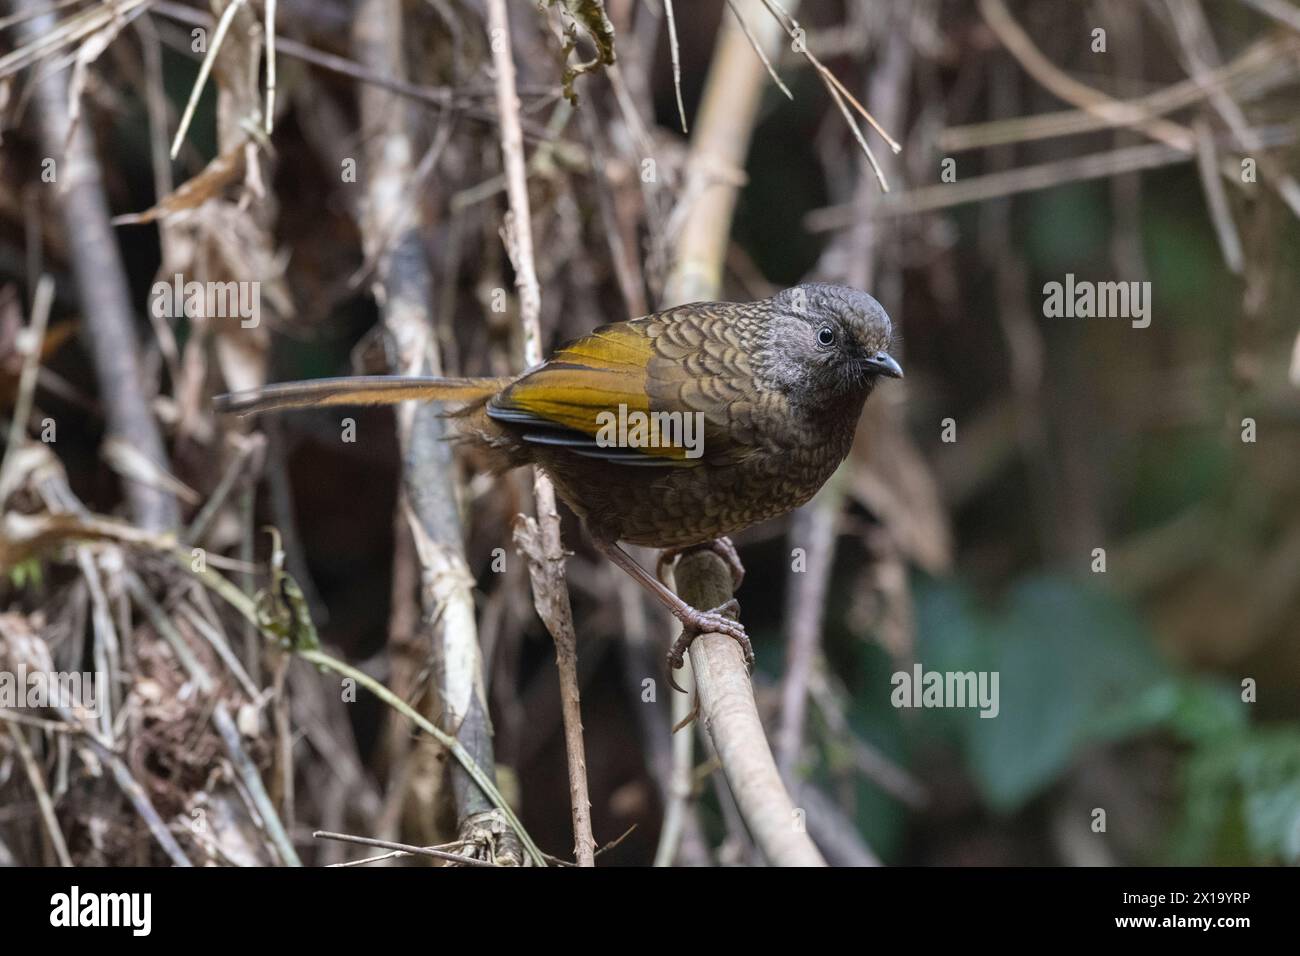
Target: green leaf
{"x": 1194, "y": 709}
{"x": 1243, "y": 799}
{"x": 1071, "y": 661}
{"x": 27, "y": 573}
{"x": 282, "y": 607}
{"x": 591, "y": 15}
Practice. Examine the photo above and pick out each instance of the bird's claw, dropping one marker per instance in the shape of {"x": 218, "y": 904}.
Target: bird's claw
{"x": 722, "y": 547}
{"x": 695, "y": 623}
{"x": 726, "y": 550}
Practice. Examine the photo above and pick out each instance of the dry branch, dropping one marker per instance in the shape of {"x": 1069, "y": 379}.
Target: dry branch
{"x": 540, "y": 539}
{"x": 404, "y": 289}
{"x": 1260, "y": 68}
{"x": 1056, "y": 80}
{"x": 1025, "y": 179}
{"x": 728, "y": 713}
{"x": 721, "y": 139}
{"x": 101, "y": 286}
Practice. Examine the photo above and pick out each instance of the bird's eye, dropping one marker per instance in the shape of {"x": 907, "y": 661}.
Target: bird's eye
{"x": 825, "y": 336}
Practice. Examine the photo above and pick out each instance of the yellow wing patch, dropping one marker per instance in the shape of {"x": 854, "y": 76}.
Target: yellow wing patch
{"x": 593, "y": 381}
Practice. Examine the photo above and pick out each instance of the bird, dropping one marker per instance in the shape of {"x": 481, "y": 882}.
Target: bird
{"x": 672, "y": 431}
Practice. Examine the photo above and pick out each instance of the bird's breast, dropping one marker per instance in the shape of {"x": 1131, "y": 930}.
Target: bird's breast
{"x": 677, "y": 506}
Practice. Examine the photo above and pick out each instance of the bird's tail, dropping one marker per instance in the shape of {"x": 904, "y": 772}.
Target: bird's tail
{"x": 358, "y": 390}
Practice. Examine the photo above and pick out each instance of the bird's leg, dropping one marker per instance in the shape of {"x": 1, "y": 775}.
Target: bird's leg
{"x": 694, "y": 621}
{"x": 722, "y": 547}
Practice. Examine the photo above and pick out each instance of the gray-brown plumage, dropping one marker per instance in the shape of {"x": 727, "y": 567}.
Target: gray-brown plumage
{"x": 777, "y": 387}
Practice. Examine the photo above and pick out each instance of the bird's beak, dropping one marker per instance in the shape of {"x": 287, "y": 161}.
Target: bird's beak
{"x": 884, "y": 364}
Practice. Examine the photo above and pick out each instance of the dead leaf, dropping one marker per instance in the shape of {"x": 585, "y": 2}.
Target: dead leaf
{"x": 129, "y": 462}
{"x": 194, "y": 192}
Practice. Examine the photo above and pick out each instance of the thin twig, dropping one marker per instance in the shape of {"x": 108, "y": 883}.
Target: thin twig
{"x": 402, "y": 849}
{"x": 680, "y": 784}
{"x": 252, "y": 781}
{"x": 1021, "y": 180}
{"x": 1054, "y": 79}
{"x": 245, "y": 446}
{"x": 867, "y": 759}
{"x": 642, "y": 656}
{"x": 793, "y": 28}
{"x": 28, "y": 14}
{"x": 1261, "y": 67}
{"x": 223, "y": 25}
{"x": 839, "y": 94}
{"x": 106, "y": 638}
{"x": 219, "y": 644}
{"x": 1225, "y": 229}
{"x": 51, "y": 35}
{"x": 29, "y": 342}
{"x": 758, "y": 49}
{"x": 40, "y": 723}
{"x": 441, "y": 97}
{"x": 599, "y": 850}
{"x": 541, "y": 539}
{"x": 1050, "y": 76}
{"x": 43, "y": 801}
{"x": 270, "y": 67}
{"x": 1200, "y": 55}
{"x": 814, "y": 529}
{"x": 675, "y": 54}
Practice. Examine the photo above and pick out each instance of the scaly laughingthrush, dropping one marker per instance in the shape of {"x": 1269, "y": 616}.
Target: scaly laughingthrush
{"x": 776, "y": 387}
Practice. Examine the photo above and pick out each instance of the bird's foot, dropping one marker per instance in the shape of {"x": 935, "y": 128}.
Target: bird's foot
{"x": 722, "y": 547}
{"x": 696, "y": 622}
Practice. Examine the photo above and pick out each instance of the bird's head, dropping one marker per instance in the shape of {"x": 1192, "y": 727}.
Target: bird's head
{"x": 830, "y": 343}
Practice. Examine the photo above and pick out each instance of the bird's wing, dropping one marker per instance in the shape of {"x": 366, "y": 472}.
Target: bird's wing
{"x": 578, "y": 398}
